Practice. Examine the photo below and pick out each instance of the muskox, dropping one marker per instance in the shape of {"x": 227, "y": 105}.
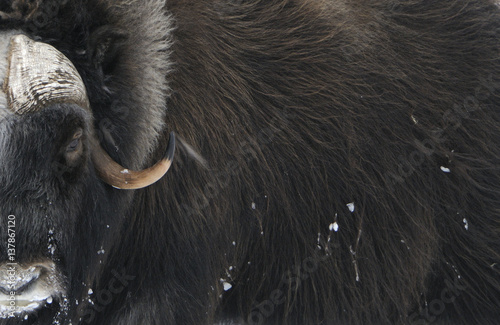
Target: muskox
{"x": 337, "y": 162}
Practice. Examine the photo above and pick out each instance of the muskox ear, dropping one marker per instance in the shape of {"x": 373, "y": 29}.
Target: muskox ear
{"x": 104, "y": 47}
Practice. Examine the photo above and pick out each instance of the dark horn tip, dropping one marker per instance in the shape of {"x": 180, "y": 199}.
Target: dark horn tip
{"x": 171, "y": 147}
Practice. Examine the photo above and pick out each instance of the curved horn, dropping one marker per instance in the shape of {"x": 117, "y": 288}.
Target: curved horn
{"x": 38, "y": 76}
{"x": 121, "y": 178}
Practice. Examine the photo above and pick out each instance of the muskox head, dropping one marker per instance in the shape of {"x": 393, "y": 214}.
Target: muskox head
{"x": 52, "y": 171}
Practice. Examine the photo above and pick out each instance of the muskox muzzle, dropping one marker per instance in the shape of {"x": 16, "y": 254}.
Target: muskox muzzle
{"x": 38, "y": 76}
{"x": 25, "y": 288}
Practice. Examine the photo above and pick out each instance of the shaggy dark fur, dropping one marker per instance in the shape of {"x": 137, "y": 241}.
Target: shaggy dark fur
{"x": 351, "y": 149}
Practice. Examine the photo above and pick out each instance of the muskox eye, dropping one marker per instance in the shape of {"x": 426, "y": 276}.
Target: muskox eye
{"x": 75, "y": 143}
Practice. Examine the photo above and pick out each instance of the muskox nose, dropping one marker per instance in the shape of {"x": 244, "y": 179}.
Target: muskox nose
{"x": 25, "y": 288}
{"x": 14, "y": 278}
